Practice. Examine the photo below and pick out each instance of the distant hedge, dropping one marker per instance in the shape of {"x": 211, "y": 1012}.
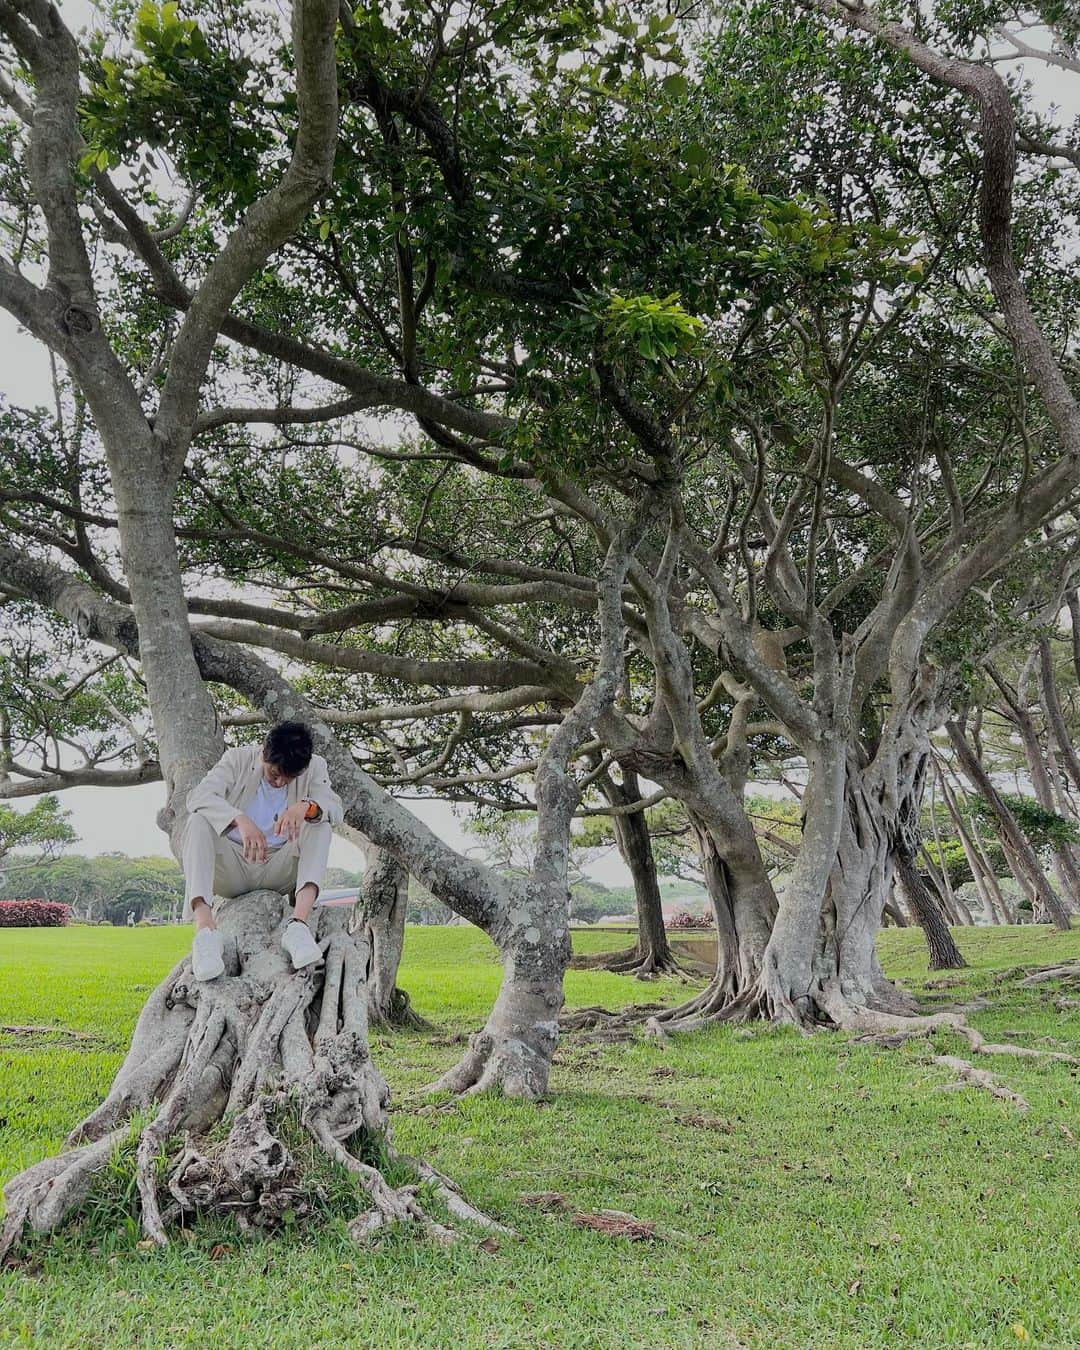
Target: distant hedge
{"x": 33, "y": 914}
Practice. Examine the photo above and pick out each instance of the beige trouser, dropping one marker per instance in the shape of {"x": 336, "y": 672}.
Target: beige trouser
{"x": 215, "y": 867}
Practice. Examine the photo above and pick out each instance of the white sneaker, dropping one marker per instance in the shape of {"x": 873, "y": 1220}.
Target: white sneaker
{"x": 298, "y": 942}
{"x": 207, "y": 955}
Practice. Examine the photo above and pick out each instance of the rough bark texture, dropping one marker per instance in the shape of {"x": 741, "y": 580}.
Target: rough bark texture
{"x": 514, "y": 1049}
{"x": 384, "y": 901}
{"x": 744, "y": 908}
{"x": 217, "y": 1064}
{"x": 651, "y": 954}
{"x": 944, "y": 953}
{"x": 1029, "y": 871}
{"x": 847, "y": 973}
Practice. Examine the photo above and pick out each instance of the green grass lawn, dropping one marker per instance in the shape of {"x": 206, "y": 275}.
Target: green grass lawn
{"x": 812, "y": 1192}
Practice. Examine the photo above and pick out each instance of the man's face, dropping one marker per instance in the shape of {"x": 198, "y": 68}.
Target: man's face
{"x": 274, "y": 775}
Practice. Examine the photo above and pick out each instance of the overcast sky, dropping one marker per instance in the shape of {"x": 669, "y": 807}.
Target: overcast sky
{"x": 123, "y": 819}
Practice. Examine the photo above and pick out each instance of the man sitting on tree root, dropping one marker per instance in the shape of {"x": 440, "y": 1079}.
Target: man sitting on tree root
{"x": 262, "y": 818}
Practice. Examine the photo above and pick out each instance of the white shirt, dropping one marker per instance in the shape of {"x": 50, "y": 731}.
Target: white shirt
{"x": 267, "y": 803}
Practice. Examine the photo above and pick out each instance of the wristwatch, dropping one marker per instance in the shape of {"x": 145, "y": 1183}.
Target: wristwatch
{"x": 314, "y": 810}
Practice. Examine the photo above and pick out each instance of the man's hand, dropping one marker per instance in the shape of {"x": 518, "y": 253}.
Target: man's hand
{"x": 290, "y": 820}
{"x": 252, "y": 838}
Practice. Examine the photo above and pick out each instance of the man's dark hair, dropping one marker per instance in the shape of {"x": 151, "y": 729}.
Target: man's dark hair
{"x": 288, "y": 746}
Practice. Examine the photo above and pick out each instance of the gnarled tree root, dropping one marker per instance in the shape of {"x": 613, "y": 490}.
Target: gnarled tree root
{"x": 887, "y": 1029}
{"x": 643, "y": 965}
{"x": 400, "y": 1015}
{"x": 221, "y": 1068}
{"x": 969, "y": 1076}
{"x": 891, "y": 1031}
{"x": 767, "y": 997}
{"x": 601, "y": 1024}
{"x": 717, "y": 1004}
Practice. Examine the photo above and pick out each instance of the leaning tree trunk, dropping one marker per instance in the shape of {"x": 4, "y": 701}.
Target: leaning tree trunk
{"x": 1065, "y": 867}
{"x": 944, "y": 953}
{"x": 232, "y": 1072}
{"x": 982, "y": 876}
{"x": 651, "y": 954}
{"x": 1012, "y": 837}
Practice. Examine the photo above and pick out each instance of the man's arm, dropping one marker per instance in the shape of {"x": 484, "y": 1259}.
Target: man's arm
{"x": 208, "y": 797}
{"x": 322, "y": 794}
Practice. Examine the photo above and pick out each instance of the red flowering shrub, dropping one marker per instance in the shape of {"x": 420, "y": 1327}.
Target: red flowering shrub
{"x": 684, "y": 919}
{"x": 33, "y": 914}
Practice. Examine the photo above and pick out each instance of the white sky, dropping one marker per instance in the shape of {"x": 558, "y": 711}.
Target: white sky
{"x": 122, "y": 820}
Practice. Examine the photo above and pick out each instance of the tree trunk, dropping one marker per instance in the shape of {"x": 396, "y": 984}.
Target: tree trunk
{"x": 894, "y": 913}
{"x": 1065, "y": 866}
{"x": 744, "y": 909}
{"x": 272, "y": 1053}
{"x": 186, "y": 725}
{"x": 944, "y": 953}
{"x": 384, "y": 901}
{"x": 514, "y": 1048}
{"x": 1012, "y": 837}
{"x": 817, "y": 953}
{"x": 985, "y": 883}
{"x": 847, "y": 975}
{"x": 651, "y": 954}
{"x": 1054, "y": 714}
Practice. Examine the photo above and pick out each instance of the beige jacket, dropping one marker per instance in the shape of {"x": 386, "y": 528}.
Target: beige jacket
{"x": 233, "y": 781}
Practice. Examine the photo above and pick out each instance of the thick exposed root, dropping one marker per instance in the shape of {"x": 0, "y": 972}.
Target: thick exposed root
{"x": 643, "y": 965}
{"x": 601, "y": 1024}
{"x": 890, "y": 1031}
{"x": 768, "y": 997}
{"x": 233, "y": 1073}
{"x": 512, "y": 1052}
{"x": 399, "y": 1016}
{"x": 719, "y": 1003}
{"x": 893, "y": 1031}
{"x": 1067, "y": 974}
{"x": 508, "y": 1064}
{"x": 969, "y": 1076}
